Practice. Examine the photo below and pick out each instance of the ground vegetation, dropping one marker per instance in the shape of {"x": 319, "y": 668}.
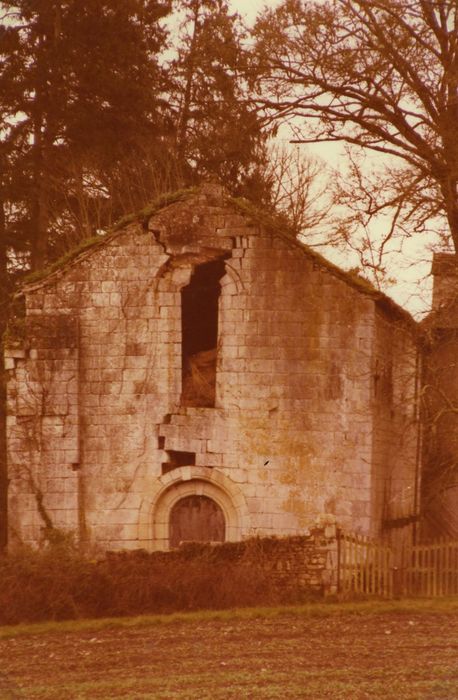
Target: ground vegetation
{"x": 394, "y": 651}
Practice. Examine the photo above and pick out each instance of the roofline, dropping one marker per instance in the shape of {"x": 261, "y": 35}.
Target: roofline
{"x": 279, "y": 228}
{"x": 34, "y": 280}
{"x": 274, "y": 224}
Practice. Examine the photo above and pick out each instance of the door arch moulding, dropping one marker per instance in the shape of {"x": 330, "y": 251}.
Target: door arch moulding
{"x": 171, "y": 487}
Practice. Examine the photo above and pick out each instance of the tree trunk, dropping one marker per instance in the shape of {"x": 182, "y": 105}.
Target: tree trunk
{"x": 4, "y": 308}
{"x": 44, "y": 131}
{"x": 39, "y": 210}
{"x": 187, "y": 97}
{"x": 450, "y": 194}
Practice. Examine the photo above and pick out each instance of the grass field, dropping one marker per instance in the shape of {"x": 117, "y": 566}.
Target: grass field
{"x": 390, "y": 651}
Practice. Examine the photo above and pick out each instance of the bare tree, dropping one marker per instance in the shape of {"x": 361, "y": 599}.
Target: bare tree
{"x": 381, "y": 75}
{"x": 298, "y": 190}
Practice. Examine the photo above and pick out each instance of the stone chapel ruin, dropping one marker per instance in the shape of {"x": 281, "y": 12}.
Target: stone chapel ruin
{"x": 198, "y": 374}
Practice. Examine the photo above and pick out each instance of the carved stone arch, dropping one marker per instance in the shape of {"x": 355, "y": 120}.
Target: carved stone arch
{"x": 174, "y": 279}
{"x": 190, "y": 481}
{"x": 232, "y": 281}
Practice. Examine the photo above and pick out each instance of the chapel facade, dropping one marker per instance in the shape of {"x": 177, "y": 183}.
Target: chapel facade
{"x": 199, "y": 374}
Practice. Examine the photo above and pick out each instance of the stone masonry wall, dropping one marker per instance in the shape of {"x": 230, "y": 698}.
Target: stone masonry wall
{"x": 43, "y": 426}
{"x": 292, "y": 328}
{"x": 395, "y": 456}
{"x": 294, "y": 565}
{"x": 294, "y": 432}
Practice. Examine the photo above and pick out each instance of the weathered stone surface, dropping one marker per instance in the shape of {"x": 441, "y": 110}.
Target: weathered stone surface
{"x": 315, "y": 390}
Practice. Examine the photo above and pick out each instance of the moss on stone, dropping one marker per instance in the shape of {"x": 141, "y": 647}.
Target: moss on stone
{"x": 141, "y": 216}
{"x": 277, "y": 224}
{"x": 153, "y": 207}
{"x": 85, "y": 244}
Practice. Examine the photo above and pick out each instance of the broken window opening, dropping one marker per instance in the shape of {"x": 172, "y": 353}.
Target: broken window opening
{"x": 199, "y": 324}
{"x": 178, "y": 458}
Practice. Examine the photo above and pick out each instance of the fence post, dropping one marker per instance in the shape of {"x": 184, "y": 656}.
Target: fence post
{"x": 339, "y": 546}
{"x": 367, "y": 566}
{"x": 398, "y": 574}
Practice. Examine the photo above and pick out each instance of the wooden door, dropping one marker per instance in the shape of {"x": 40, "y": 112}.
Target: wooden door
{"x": 196, "y": 519}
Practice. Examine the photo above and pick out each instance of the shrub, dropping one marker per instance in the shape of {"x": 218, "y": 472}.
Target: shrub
{"x": 59, "y": 582}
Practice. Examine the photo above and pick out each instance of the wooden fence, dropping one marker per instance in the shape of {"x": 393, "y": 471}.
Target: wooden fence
{"x": 429, "y": 569}
{"x": 366, "y": 566}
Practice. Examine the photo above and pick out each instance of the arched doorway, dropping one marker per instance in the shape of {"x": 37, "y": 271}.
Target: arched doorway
{"x": 196, "y": 518}
{"x": 178, "y": 484}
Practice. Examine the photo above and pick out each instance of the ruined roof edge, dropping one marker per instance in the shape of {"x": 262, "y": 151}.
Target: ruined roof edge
{"x": 280, "y": 227}
{"x": 89, "y": 244}
{"x": 275, "y": 224}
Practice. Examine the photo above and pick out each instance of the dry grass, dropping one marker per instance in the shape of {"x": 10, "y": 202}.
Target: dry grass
{"x": 199, "y": 383}
{"x": 403, "y": 650}
{"x": 58, "y": 583}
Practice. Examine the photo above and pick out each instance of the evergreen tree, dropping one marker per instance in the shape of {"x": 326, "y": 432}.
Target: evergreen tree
{"x": 81, "y": 85}
{"x": 218, "y": 133}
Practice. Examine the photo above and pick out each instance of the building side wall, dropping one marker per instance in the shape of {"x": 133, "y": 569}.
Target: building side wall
{"x": 440, "y": 397}
{"x": 395, "y": 456}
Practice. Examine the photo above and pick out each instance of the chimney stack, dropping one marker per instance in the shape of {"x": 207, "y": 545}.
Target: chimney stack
{"x": 445, "y": 290}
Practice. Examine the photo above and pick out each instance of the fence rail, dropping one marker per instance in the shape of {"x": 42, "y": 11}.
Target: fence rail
{"x": 430, "y": 570}
{"x": 364, "y": 566}
{"x": 367, "y": 566}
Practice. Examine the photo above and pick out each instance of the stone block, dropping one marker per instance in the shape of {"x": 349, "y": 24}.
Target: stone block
{"x": 15, "y": 352}
{"x": 108, "y": 286}
{"x": 280, "y": 330}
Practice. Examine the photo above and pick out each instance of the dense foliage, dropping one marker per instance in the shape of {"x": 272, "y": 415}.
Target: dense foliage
{"x": 60, "y": 583}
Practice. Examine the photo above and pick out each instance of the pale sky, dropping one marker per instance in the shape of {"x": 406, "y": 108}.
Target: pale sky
{"x": 412, "y": 266}
{"x": 250, "y": 8}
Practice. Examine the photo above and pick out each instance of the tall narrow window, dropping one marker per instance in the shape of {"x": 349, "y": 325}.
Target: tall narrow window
{"x": 199, "y": 320}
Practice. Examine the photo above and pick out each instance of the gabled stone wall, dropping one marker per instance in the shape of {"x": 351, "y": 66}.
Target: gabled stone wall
{"x": 297, "y": 428}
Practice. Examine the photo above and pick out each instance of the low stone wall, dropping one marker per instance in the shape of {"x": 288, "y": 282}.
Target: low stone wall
{"x": 305, "y": 564}
{"x": 59, "y": 582}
